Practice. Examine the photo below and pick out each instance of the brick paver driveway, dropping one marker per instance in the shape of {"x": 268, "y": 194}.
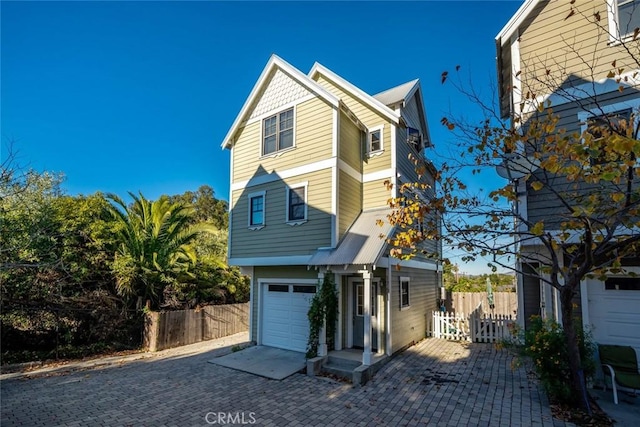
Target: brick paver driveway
{"x": 436, "y": 382}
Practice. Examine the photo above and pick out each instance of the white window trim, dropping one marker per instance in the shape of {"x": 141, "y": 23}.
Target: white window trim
{"x": 408, "y": 280}
{"x": 633, "y": 104}
{"x": 278, "y": 153}
{"x": 374, "y": 153}
{"x": 264, "y": 210}
{"x": 306, "y": 204}
{"x": 615, "y": 37}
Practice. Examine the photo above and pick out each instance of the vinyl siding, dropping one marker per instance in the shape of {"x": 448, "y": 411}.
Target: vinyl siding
{"x": 313, "y": 139}
{"x": 349, "y": 201}
{"x": 278, "y": 238}
{"x": 277, "y": 272}
{"x": 564, "y": 45}
{"x": 409, "y": 325}
{"x": 542, "y": 205}
{"x": 351, "y": 139}
{"x": 370, "y": 118}
{"x": 406, "y": 168}
{"x": 375, "y": 194}
{"x": 411, "y": 114}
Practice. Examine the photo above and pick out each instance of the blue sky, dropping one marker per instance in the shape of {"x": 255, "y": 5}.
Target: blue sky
{"x": 137, "y": 96}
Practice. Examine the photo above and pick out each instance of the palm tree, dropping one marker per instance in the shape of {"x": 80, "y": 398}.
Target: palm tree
{"x": 154, "y": 245}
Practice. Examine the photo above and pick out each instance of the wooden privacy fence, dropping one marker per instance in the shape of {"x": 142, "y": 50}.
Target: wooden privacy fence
{"x": 167, "y": 329}
{"x": 476, "y": 327}
{"x": 465, "y": 302}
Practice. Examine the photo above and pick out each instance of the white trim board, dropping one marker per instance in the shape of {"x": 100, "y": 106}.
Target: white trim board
{"x": 269, "y": 261}
{"x": 387, "y": 262}
{"x": 516, "y": 20}
{"x": 587, "y": 90}
{"x": 285, "y": 174}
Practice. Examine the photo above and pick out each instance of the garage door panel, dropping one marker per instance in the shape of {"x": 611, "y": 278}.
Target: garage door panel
{"x": 284, "y": 319}
{"x": 614, "y": 315}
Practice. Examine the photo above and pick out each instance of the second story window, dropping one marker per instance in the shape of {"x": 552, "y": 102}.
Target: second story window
{"x": 603, "y": 127}
{"x": 624, "y": 18}
{"x": 374, "y": 142}
{"x": 277, "y": 132}
{"x": 256, "y": 210}
{"x": 297, "y": 204}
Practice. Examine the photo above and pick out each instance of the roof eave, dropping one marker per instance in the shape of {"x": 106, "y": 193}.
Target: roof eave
{"x": 516, "y": 20}
{"x": 300, "y": 77}
{"x": 359, "y": 93}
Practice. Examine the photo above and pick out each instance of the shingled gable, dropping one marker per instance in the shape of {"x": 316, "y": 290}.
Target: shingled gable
{"x": 275, "y": 62}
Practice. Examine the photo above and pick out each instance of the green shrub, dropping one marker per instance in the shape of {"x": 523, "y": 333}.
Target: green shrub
{"x": 544, "y": 342}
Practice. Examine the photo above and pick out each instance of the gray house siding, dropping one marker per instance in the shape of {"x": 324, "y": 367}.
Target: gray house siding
{"x": 408, "y": 324}
{"x": 543, "y": 205}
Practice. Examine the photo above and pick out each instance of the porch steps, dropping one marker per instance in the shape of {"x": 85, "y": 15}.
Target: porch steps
{"x": 340, "y": 367}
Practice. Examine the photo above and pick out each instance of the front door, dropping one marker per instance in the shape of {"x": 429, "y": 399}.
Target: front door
{"x": 358, "y": 317}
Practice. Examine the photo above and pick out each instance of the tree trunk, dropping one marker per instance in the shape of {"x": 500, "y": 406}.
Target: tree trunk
{"x": 577, "y": 380}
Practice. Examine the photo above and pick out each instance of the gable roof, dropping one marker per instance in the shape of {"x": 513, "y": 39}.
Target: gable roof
{"x": 362, "y": 244}
{"x": 402, "y": 94}
{"x": 276, "y": 62}
{"x": 357, "y": 92}
{"x": 399, "y": 93}
{"x": 516, "y": 20}
{"x": 503, "y": 41}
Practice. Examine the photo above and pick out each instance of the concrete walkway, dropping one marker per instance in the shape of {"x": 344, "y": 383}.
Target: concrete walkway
{"x": 435, "y": 383}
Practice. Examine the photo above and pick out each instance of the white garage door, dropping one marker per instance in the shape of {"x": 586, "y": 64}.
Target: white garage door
{"x": 614, "y": 311}
{"x": 284, "y": 315}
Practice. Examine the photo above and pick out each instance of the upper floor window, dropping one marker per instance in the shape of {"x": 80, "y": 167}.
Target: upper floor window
{"x": 624, "y": 18}
{"x": 297, "y": 204}
{"x": 257, "y": 210}
{"x": 374, "y": 140}
{"x": 277, "y": 132}
{"x": 414, "y": 139}
{"x": 602, "y": 127}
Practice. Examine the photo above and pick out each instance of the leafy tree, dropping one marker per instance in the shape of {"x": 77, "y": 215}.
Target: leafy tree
{"x": 154, "y": 245}
{"x": 212, "y": 211}
{"x": 29, "y": 229}
{"x": 207, "y": 208}
{"x": 592, "y": 177}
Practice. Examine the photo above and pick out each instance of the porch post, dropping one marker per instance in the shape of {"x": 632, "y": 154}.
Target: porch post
{"x": 322, "y": 339}
{"x": 366, "y": 354}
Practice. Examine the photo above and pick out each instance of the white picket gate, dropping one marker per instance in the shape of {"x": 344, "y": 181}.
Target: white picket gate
{"x": 476, "y": 327}
{"x": 491, "y": 328}
{"x": 451, "y": 326}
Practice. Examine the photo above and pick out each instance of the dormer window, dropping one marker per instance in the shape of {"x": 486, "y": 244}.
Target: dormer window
{"x": 277, "y": 132}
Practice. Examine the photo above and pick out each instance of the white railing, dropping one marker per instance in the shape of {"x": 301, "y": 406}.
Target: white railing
{"x": 476, "y": 327}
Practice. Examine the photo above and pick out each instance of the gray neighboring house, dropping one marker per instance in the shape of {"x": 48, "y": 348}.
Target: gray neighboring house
{"x": 540, "y": 37}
